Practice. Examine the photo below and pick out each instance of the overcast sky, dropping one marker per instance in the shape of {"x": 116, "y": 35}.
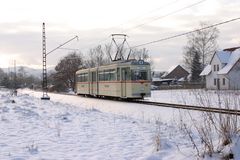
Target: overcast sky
{"x": 95, "y": 20}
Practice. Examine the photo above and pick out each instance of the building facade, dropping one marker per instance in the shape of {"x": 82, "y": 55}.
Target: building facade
{"x": 223, "y": 72}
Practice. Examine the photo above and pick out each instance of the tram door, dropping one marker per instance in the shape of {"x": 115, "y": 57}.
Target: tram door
{"x": 123, "y": 84}
{"x": 93, "y": 89}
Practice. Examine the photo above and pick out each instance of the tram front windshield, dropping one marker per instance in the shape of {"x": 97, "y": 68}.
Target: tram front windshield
{"x": 139, "y": 75}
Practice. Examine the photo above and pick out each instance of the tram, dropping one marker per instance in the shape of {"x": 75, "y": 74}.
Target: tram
{"x": 128, "y": 79}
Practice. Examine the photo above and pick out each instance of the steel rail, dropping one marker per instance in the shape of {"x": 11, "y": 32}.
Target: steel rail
{"x": 190, "y": 107}
{"x": 174, "y": 105}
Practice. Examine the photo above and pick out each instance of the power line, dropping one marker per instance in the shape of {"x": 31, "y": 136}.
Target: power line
{"x": 112, "y": 27}
{"x": 154, "y": 10}
{"x": 76, "y": 37}
{"x": 168, "y": 14}
{"x": 186, "y": 33}
{"x": 171, "y": 13}
{"x": 83, "y": 48}
{"x": 71, "y": 49}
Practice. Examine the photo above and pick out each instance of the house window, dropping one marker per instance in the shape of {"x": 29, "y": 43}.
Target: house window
{"x": 223, "y": 81}
{"x": 217, "y": 67}
{"x": 215, "y": 81}
{"x": 214, "y": 67}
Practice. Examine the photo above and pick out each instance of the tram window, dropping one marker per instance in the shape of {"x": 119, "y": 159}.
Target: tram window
{"x": 126, "y": 74}
{"x": 82, "y": 77}
{"x": 94, "y": 76}
{"x": 111, "y": 75}
{"x": 85, "y": 77}
{"x": 107, "y": 75}
{"x": 79, "y": 77}
{"x": 101, "y": 75}
{"x": 118, "y": 74}
{"x": 139, "y": 75}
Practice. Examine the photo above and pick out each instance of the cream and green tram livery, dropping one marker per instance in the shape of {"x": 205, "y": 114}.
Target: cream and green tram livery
{"x": 125, "y": 79}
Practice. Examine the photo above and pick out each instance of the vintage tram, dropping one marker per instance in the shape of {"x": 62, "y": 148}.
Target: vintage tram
{"x": 130, "y": 79}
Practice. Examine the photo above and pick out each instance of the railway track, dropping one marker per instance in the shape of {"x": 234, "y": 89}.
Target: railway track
{"x": 181, "y": 106}
{"x": 188, "y": 107}
{"x": 191, "y": 107}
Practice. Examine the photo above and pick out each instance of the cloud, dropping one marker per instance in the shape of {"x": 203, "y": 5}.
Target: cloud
{"x": 21, "y": 29}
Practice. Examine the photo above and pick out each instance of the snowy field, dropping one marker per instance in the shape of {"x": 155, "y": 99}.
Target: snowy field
{"x": 210, "y": 98}
{"x": 74, "y": 127}
{"x": 49, "y": 130}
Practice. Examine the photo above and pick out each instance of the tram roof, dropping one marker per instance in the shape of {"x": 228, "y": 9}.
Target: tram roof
{"x": 119, "y": 63}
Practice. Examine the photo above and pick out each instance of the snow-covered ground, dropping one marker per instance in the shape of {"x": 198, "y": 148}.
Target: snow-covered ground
{"x": 138, "y": 111}
{"x": 210, "y": 98}
{"x": 67, "y": 128}
{"x": 74, "y": 127}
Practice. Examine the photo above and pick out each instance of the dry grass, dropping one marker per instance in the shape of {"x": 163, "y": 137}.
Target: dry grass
{"x": 157, "y": 137}
{"x": 214, "y": 130}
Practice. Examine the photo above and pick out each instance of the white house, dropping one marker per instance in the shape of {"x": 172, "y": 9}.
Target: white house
{"x": 223, "y": 72}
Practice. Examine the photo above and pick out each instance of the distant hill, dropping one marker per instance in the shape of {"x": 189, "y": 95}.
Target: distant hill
{"x": 29, "y": 71}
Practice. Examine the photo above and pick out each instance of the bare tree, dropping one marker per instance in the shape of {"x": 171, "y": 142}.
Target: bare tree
{"x": 107, "y": 50}
{"x": 103, "y": 55}
{"x": 21, "y": 76}
{"x": 97, "y": 56}
{"x": 140, "y": 54}
{"x": 203, "y": 42}
{"x": 66, "y": 69}
{"x": 2, "y": 75}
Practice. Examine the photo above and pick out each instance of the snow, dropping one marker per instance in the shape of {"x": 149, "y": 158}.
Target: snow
{"x": 235, "y": 147}
{"x": 181, "y": 79}
{"x": 74, "y": 127}
{"x": 235, "y": 56}
{"x": 198, "y": 97}
{"x": 155, "y": 79}
{"x": 32, "y": 128}
{"x": 163, "y": 80}
{"x": 224, "y": 56}
{"x": 138, "y": 111}
{"x": 206, "y": 70}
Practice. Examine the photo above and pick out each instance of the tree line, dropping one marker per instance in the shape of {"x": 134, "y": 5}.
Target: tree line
{"x": 200, "y": 47}
{"x": 63, "y": 76}
{"x": 20, "y": 79}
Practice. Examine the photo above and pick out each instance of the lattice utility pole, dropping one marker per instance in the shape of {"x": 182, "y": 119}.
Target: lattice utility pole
{"x": 44, "y": 51}
{"x": 44, "y": 73}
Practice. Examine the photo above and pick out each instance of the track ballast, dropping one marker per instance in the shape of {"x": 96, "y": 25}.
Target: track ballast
{"x": 191, "y": 107}
{"x": 184, "y": 106}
